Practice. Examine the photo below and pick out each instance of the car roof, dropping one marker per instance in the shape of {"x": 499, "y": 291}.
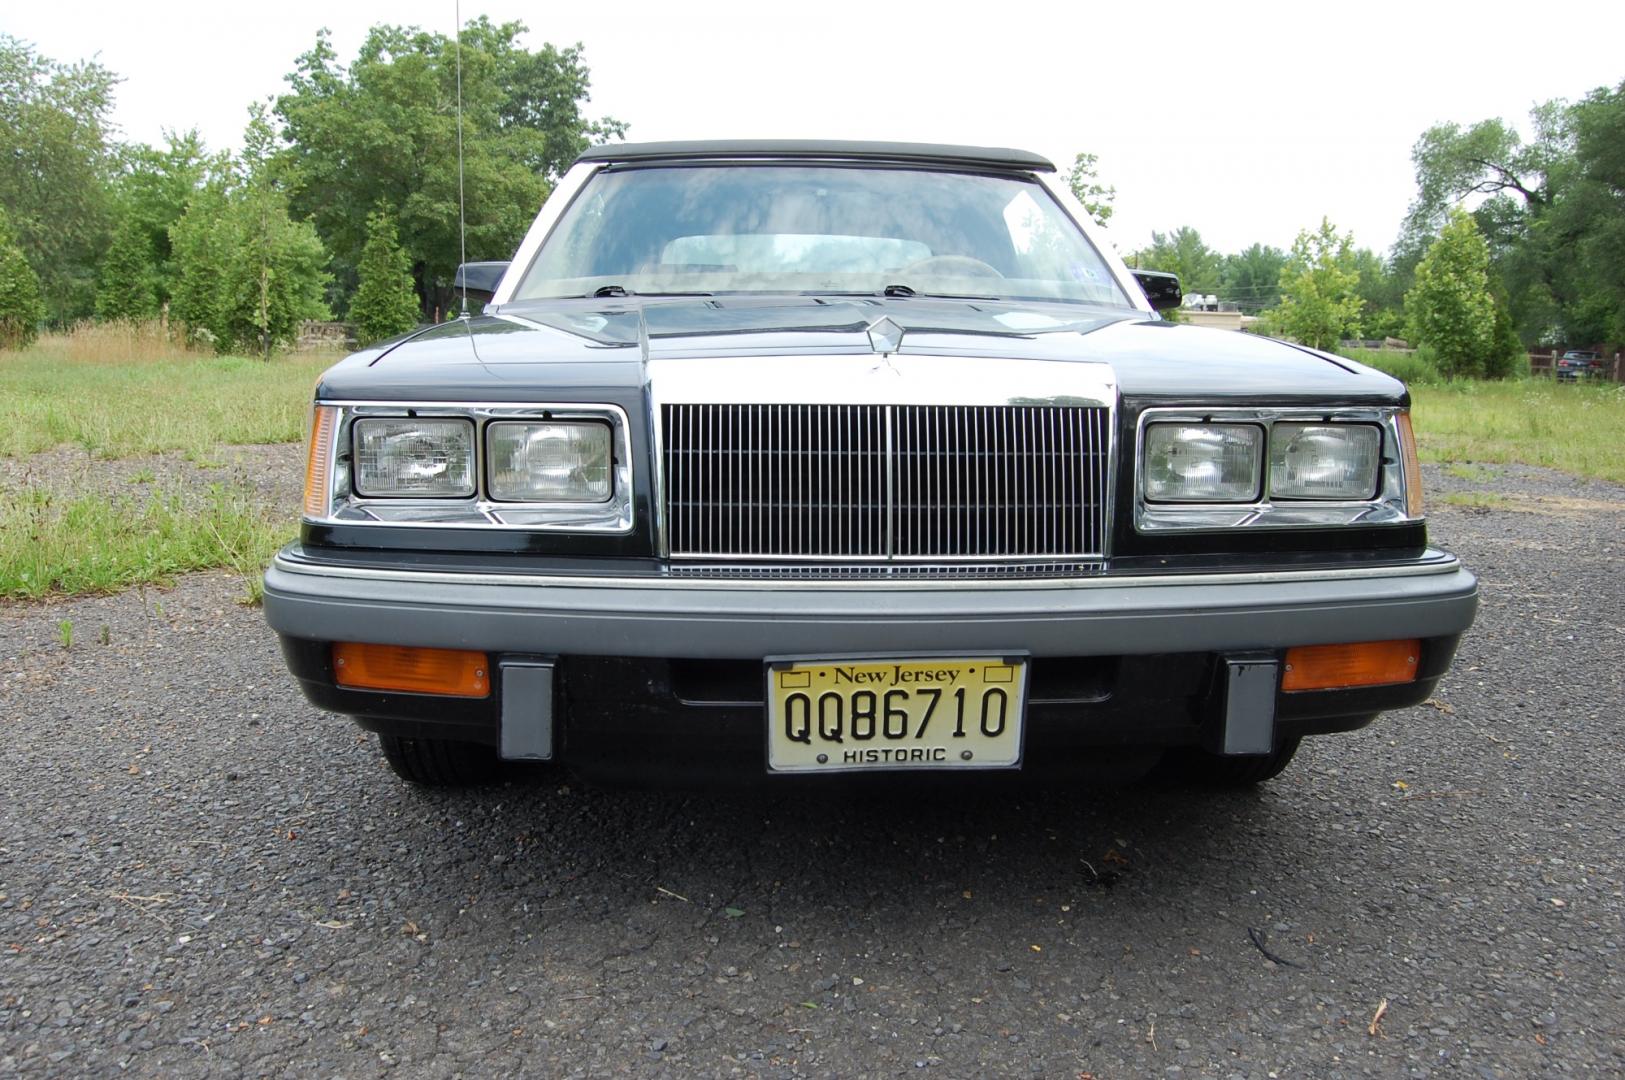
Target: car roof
{"x": 987, "y": 157}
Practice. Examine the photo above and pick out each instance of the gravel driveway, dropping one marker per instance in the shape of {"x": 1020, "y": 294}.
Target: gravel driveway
{"x": 201, "y": 874}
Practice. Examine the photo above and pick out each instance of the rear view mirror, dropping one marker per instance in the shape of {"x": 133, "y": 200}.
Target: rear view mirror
{"x": 1161, "y": 290}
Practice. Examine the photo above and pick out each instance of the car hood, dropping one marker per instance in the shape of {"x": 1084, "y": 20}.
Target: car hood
{"x": 584, "y": 346}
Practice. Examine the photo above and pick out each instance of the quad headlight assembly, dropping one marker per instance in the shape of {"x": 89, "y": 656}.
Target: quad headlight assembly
{"x": 1229, "y": 468}
{"x": 564, "y": 467}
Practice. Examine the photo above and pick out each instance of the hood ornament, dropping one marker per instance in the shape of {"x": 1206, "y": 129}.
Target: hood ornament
{"x": 885, "y": 336}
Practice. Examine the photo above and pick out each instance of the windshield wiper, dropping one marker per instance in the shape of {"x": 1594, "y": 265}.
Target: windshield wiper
{"x": 898, "y": 290}
{"x": 622, "y": 290}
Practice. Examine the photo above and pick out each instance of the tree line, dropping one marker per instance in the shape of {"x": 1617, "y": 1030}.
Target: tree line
{"x": 1508, "y": 244}
{"x": 342, "y": 202}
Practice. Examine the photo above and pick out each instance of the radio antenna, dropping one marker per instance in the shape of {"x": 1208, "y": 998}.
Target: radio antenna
{"x": 462, "y": 219}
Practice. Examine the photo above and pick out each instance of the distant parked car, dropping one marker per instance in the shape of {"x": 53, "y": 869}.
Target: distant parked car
{"x": 1579, "y": 364}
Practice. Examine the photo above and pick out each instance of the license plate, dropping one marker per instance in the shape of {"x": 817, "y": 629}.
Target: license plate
{"x": 934, "y": 713}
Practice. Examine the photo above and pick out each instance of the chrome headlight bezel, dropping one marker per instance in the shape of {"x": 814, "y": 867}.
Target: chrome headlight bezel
{"x": 1386, "y": 504}
{"x": 480, "y": 508}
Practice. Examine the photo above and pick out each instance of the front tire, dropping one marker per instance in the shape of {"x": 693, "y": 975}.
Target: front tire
{"x": 1218, "y": 770}
{"x": 439, "y": 762}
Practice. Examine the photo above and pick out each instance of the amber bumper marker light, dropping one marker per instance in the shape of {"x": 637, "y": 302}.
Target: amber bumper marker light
{"x": 451, "y": 672}
{"x": 1338, "y": 667}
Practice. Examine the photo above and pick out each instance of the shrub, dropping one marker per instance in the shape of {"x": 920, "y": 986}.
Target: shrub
{"x": 21, "y": 308}
{"x": 1417, "y": 368}
{"x": 385, "y": 302}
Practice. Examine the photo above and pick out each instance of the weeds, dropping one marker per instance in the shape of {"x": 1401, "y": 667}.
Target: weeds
{"x": 94, "y": 544}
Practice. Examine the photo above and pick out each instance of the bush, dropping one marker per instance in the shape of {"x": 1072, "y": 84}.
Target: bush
{"x": 1419, "y": 368}
{"x": 21, "y": 308}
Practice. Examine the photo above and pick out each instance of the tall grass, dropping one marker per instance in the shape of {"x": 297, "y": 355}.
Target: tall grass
{"x": 123, "y": 389}
{"x": 55, "y": 544}
{"x": 118, "y": 341}
{"x": 1411, "y": 368}
{"x": 1574, "y": 427}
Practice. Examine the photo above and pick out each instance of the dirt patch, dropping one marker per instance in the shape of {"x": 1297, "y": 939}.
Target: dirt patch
{"x": 272, "y": 473}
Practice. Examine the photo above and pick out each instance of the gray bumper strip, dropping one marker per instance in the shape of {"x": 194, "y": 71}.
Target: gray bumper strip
{"x": 1195, "y": 613}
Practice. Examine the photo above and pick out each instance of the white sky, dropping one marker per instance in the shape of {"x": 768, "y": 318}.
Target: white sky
{"x": 1247, "y": 121}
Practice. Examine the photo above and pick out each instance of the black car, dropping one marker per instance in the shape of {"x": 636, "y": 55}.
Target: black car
{"x": 1579, "y": 364}
{"x": 788, "y": 461}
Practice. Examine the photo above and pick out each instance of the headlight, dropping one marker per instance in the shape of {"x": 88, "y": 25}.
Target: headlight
{"x": 409, "y": 457}
{"x": 1203, "y": 463}
{"x": 534, "y": 461}
{"x": 1324, "y": 461}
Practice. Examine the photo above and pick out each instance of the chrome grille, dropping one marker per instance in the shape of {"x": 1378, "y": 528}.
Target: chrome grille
{"x": 910, "y": 482}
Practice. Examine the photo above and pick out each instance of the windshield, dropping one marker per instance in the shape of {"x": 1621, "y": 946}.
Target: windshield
{"x": 714, "y": 229}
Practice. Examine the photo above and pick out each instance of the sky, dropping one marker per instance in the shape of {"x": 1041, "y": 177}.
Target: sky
{"x": 1248, "y": 121}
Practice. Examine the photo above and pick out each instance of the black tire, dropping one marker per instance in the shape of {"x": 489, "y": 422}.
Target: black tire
{"x": 1217, "y": 770}
{"x": 439, "y": 762}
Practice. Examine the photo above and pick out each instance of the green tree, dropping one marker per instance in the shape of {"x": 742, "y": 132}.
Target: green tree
{"x": 1449, "y": 307}
{"x": 1182, "y": 252}
{"x": 1382, "y": 300}
{"x": 385, "y": 303}
{"x": 54, "y": 170}
{"x": 1085, "y": 183}
{"x": 1319, "y": 302}
{"x": 1507, "y": 357}
{"x": 247, "y": 274}
{"x": 126, "y": 290}
{"x": 152, "y": 188}
{"x": 383, "y": 131}
{"x": 1588, "y": 222}
{"x": 204, "y": 243}
{"x": 20, "y": 306}
{"x": 1252, "y": 279}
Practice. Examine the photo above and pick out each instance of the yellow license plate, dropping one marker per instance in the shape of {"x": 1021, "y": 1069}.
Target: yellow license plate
{"x": 940, "y": 713}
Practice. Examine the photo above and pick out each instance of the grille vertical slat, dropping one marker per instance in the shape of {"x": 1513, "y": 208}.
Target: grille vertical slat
{"x": 884, "y": 481}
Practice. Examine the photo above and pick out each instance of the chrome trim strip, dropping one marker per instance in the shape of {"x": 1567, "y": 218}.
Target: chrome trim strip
{"x": 1435, "y": 563}
{"x": 1387, "y": 508}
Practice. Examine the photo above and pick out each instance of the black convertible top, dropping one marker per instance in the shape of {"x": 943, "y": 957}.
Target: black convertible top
{"x": 994, "y": 157}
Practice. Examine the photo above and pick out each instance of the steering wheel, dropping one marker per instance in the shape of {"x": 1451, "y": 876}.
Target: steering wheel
{"x": 952, "y": 265}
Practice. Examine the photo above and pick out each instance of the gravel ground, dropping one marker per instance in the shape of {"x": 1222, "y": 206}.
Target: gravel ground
{"x": 272, "y": 473}
{"x": 201, "y": 874}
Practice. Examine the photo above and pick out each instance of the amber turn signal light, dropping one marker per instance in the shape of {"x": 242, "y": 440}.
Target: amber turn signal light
{"x": 319, "y": 460}
{"x": 452, "y": 672}
{"x": 1412, "y": 465}
{"x": 1337, "y": 667}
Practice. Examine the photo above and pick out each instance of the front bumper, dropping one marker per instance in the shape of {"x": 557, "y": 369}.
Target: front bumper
{"x": 695, "y": 618}
{"x": 667, "y": 671}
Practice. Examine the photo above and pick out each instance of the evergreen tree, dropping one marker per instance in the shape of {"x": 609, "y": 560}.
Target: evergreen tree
{"x": 202, "y": 245}
{"x": 21, "y": 308}
{"x": 247, "y": 273}
{"x": 125, "y": 287}
{"x": 1449, "y": 308}
{"x": 385, "y": 302}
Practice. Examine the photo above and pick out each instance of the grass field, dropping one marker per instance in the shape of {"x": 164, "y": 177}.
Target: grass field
{"x": 1576, "y": 428}
{"x": 117, "y": 395}
{"x": 124, "y": 393}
